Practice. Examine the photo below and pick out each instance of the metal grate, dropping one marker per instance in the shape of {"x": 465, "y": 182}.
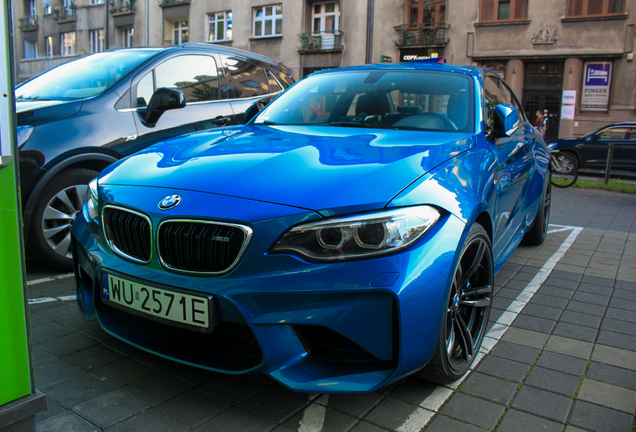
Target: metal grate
{"x": 201, "y": 247}
{"x": 128, "y": 233}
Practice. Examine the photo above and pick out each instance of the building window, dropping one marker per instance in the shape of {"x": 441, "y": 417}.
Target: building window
{"x": 32, "y": 11}
{"x": 423, "y": 12}
{"x": 583, "y": 8}
{"x": 46, "y": 6}
{"x": 268, "y": 21}
{"x": 48, "y": 46}
{"x": 67, "y": 42}
{"x": 96, "y": 40}
{"x": 30, "y": 49}
{"x": 127, "y": 36}
{"x": 179, "y": 32}
{"x": 503, "y": 10}
{"x": 220, "y": 26}
{"x": 326, "y": 17}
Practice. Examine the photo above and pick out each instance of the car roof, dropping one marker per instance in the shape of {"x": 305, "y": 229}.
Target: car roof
{"x": 415, "y": 65}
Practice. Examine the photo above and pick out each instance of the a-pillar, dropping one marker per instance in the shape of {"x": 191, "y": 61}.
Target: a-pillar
{"x": 572, "y": 75}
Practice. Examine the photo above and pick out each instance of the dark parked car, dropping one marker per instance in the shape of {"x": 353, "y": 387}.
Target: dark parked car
{"x": 76, "y": 119}
{"x": 590, "y": 151}
{"x": 345, "y": 237}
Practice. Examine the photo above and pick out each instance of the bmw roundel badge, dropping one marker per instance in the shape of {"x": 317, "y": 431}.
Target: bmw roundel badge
{"x": 171, "y": 201}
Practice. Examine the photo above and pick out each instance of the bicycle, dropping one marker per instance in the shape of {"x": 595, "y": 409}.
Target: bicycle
{"x": 564, "y": 169}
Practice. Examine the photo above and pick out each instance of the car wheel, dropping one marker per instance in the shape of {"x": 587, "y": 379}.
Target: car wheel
{"x": 466, "y": 312}
{"x": 58, "y": 204}
{"x": 539, "y": 230}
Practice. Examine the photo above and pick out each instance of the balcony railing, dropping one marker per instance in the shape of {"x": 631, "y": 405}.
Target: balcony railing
{"x": 422, "y": 34}
{"x": 67, "y": 13}
{"x": 168, "y": 3}
{"x": 29, "y": 22}
{"x": 329, "y": 40}
{"x": 126, "y": 7}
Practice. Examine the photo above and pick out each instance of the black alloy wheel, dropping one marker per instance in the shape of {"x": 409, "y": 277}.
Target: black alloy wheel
{"x": 465, "y": 319}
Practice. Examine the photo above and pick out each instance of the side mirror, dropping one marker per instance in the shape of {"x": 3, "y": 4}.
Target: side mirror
{"x": 506, "y": 120}
{"x": 162, "y": 100}
{"x": 594, "y": 138}
{"x": 251, "y": 111}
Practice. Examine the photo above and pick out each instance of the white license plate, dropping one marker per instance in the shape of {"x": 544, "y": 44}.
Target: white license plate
{"x": 170, "y": 305}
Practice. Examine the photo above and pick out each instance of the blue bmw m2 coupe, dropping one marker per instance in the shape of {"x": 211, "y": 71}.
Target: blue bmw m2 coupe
{"x": 346, "y": 236}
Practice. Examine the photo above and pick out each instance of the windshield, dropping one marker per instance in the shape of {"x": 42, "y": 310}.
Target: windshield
{"x": 409, "y": 100}
{"x": 82, "y": 78}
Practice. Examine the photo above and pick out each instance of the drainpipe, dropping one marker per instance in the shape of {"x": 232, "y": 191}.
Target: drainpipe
{"x": 147, "y": 20}
{"x": 369, "y": 56}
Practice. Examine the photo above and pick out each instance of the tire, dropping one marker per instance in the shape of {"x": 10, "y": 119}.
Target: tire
{"x": 467, "y": 310}
{"x": 565, "y": 173}
{"x": 58, "y": 204}
{"x": 539, "y": 230}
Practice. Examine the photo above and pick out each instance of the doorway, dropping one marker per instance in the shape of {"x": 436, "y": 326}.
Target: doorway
{"x": 542, "y": 87}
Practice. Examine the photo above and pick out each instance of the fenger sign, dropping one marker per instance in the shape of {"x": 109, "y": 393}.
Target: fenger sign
{"x": 596, "y": 86}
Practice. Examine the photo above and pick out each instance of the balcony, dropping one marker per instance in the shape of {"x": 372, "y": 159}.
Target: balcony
{"x": 169, "y": 3}
{"x": 320, "y": 41}
{"x": 420, "y": 35}
{"x": 29, "y": 23}
{"x": 125, "y": 8}
{"x": 65, "y": 14}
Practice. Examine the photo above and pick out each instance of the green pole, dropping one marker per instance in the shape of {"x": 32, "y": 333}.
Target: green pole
{"x": 19, "y": 401}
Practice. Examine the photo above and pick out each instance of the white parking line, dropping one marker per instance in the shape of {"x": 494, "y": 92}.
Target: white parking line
{"x": 50, "y": 279}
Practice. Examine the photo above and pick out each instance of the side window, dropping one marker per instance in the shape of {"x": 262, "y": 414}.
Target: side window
{"x": 196, "y": 76}
{"x": 614, "y": 133}
{"x": 495, "y": 93}
{"x": 145, "y": 89}
{"x": 246, "y": 79}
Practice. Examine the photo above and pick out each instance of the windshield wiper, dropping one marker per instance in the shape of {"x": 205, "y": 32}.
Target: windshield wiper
{"x": 349, "y": 124}
{"x": 36, "y": 98}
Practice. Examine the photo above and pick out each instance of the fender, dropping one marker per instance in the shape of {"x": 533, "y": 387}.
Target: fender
{"x": 93, "y": 160}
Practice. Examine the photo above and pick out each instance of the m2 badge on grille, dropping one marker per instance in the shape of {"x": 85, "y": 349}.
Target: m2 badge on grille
{"x": 159, "y": 303}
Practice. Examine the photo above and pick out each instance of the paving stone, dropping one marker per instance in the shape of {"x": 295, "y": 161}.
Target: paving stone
{"x": 562, "y": 363}
{"x": 65, "y": 421}
{"x": 516, "y": 284}
{"x": 612, "y": 375}
{"x": 272, "y": 404}
{"x": 617, "y": 326}
{"x": 76, "y": 390}
{"x": 608, "y": 395}
{"x": 53, "y": 372}
{"x": 488, "y": 387}
{"x": 596, "y": 289}
{"x": 51, "y": 409}
{"x": 68, "y": 344}
{"x": 193, "y": 407}
{"x": 625, "y": 294}
{"x": 110, "y": 408}
{"x": 503, "y": 368}
{"x": 569, "y": 283}
{"x": 621, "y": 314}
{"x": 569, "y": 347}
{"x": 548, "y": 300}
{"x": 598, "y": 280}
{"x": 617, "y": 303}
{"x": 231, "y": 388}
{"x": 92, "y": 358}
{"x": 525, "y": 337}
{"x": 150, "y": 420}
{"x": 515, "y": 352}
{"x": 157, "y": 388}
{"x": 413, "y": 390}
{"x": 36, "y": 320}
{"x": 501, "y": 303}
{"x": 617, "y": 340}
{"x": 630, "y": 286}
{"x": 364, "y": 427}
{"x": 48, "y": 331}
{"x": 122, "y": 372}
{"x": 599, "y": 419}
{"x": 581, "y": 319}
{"x": 473, "y": 410}
{"x": 586, "y": 308}
{"x": 553, "y": 381}
{"x": 527, "y": 322}
{"x": 565, "y": 275}
{"x": 543, "y": 403}
{"x": 542, "y": 311}
{"x": 508, "y": 293}
{"x": 575, "y": 331}
{"x": 320, "y": 418}
{"x": 393, "y": 413}
{"x": 59, "y": 311}
{"x": 445, "y": 424}
{"x": 556, "y": 291}
{"x": 591, "y": 298}
{"x": 515, "y": 421}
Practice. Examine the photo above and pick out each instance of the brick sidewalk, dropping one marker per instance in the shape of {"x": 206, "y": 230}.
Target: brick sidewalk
{"x": 566, "y": 360}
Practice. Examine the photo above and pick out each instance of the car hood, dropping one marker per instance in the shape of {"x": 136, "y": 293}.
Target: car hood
{"x": 326, "y": 169}
{"x": 33, "y": 112}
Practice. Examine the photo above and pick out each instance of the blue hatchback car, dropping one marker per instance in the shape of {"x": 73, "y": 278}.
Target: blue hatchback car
{"x": 347, "y": 236}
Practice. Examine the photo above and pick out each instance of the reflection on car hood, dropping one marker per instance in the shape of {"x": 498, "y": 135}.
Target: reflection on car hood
{"x": 38, "y": 111}
{"x": 324, "y": 169}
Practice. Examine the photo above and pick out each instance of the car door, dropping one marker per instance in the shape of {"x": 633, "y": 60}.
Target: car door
{"x": 625, "y": 152}
{"x": 199, "y": 77}
{"x": 514, "y": 162}
{"x": 594, "y": 155}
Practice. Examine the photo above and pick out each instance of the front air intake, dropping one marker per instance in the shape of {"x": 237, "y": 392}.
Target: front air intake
{"x": 128, "y": 233}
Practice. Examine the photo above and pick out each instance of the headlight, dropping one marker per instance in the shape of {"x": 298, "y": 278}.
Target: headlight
{"x": 24, "y": 132}
{"x": 359, "y": 236}
{"x": 92, "y": 199}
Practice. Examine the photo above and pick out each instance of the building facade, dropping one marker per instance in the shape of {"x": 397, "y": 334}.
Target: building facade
{"x": 571, "y": 57}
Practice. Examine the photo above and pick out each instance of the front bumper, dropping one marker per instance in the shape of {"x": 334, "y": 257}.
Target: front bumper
{"x": 340, "y": 327}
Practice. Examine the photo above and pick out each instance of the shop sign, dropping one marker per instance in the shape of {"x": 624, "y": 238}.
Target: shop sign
{"x": 596, "y": 86}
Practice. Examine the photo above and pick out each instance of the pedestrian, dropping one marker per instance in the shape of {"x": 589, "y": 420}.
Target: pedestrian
{"x": 538, "y": 123}
{"x": 545, "y": 121}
